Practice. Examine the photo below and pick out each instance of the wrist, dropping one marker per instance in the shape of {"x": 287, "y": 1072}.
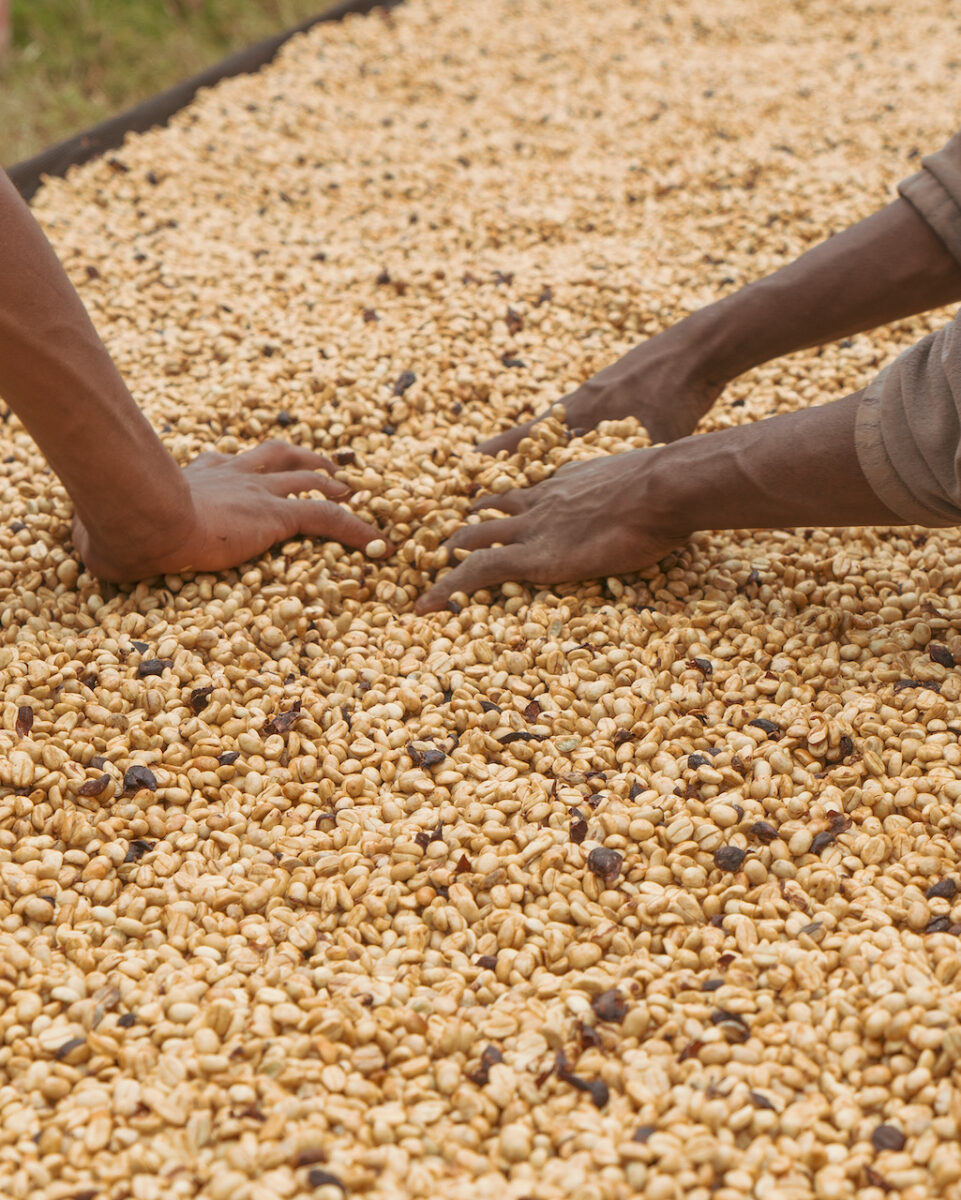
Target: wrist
{"x": 137, "y": 546}
{"x": 662, "y": 500}
{"x": 729, "y": 337}
{"x": 672, "y": 498}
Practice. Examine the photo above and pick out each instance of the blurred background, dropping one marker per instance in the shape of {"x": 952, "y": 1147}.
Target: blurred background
{"x": 66, "y": 64}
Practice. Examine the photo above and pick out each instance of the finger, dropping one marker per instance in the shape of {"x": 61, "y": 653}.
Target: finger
{"x": 277, "y": 455}
{"x": 510, "y": 439}
{"x": 288, "y": 483}
{"x": 486, "y": 568}
{"x": 479, "y": 537}
{"x": 320, "y": 518}
{"x": 515, "y": 501}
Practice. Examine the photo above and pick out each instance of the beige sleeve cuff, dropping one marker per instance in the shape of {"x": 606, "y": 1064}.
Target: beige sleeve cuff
{"x": 935, "y": 193}
{"x": 908, "y": 432}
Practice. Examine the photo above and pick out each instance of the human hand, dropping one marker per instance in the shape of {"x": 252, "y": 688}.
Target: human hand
{"x": 659, "y": 382}
{"x": 239, "y": 505}
{"x": 626, "y": 511}
{"x": 604, "y": 517}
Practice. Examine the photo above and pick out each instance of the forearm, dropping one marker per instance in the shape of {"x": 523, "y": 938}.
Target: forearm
{"x": 798, "y": 469}
{"x": 886, "y": 267}
{"x": 57, "y": 376}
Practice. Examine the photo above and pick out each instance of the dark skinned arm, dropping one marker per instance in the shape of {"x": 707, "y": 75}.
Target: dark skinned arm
{"x": 886, "y": 267}
{"x": 626, "y": 511}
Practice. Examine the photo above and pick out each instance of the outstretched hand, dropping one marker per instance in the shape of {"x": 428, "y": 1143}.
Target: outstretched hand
{"x": 240, "y": 505}
{"x": 588, "y": 520}
{"x": 658, "y": 382}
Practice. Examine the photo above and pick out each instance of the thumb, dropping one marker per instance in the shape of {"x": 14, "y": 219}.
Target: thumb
{"x": 484, "y": 568}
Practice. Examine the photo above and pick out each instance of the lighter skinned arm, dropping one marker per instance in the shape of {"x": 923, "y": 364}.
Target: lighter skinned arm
{"x": 137, "y": 513}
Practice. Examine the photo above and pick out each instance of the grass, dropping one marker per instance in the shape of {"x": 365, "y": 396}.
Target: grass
{"x": 76, "y": 63}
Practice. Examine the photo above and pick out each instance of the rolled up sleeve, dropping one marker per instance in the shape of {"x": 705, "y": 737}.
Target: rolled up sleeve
{"x": 908, "y": 433}
{"x": 935, "y": 193}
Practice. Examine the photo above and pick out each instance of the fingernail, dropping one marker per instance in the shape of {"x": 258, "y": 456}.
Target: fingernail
{"x": 339, "y": 489}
